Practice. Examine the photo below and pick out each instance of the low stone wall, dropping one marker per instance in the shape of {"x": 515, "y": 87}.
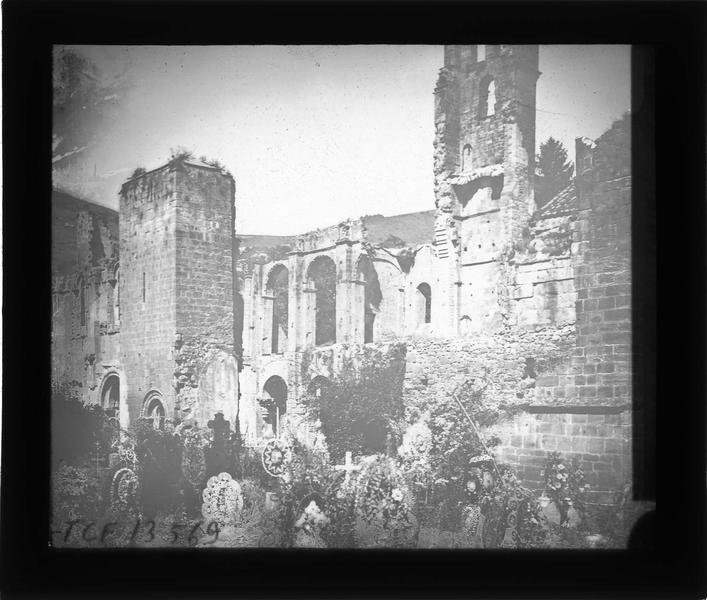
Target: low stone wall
{"x": 601, "y": 442}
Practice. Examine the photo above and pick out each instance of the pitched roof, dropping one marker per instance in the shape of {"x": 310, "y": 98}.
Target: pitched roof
{"x": 563, "y": 202}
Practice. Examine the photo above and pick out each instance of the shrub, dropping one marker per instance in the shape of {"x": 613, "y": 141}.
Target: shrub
{"x": 159, "y": 455}
{"x": 564, "y": 484}
{"x": 362, "y": 409}
{"x": 454, "y": 440}
{"x": 79, "y": 431}
{"x": 74, "y": 494}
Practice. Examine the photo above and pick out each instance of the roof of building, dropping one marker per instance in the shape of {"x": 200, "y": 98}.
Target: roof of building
{"x": 563, "y": 202}
{"x": 410, "y": 229}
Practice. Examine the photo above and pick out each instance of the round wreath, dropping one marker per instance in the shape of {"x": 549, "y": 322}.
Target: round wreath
{"x": 276, "y": 456}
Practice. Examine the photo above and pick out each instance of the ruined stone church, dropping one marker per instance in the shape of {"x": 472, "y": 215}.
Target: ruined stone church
{"x": 164, "y": 310}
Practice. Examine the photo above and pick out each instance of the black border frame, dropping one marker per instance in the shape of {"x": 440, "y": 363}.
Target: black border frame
{"x": 672, "y": 168}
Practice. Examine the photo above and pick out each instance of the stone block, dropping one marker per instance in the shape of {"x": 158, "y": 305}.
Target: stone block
{"x": 579, "y": 444}
{"x": 564, "y": 444}
{"x": 530, "y": 441}
{"x": 595, "y": 445}
{"x": 618, "y": 314}
{"x": 548, "y": 442}
{"x": 587, "y": 391}
{"x": 612, "y": 446}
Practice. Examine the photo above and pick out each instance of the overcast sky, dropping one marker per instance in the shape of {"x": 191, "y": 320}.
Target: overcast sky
{"x": 315, "y": 134}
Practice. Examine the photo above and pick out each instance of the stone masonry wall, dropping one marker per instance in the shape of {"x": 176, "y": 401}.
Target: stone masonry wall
{"x": 601, "y": 441}
{"x": 84, "y": 347}
{"x": 603, "y": 271}
{"x": 204, "y": 252}
{"x": 148, "y": 214}
{"x": 510, "y": 368}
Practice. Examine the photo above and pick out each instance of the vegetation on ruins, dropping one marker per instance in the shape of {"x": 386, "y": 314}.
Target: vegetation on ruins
{"x": 362, "y": 410}
{"x": 79, "y": 431}
{"x": 564, "y": 484}
{"x": 443, "y": 485}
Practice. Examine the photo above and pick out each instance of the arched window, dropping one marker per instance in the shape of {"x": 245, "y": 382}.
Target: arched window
{"x": 116, "y": 297}
{"x": 110, "y": 396}
{"x": 277, "y": 289}
{"x": 240, "y": 315}
{"x": 465, "y": 325}
{"x": 487, "y": 97}
{"x": 424, "y": 303}
{"x": 274, "y": 406}
{"x": 466, "y": 158}
{"x": 153, "y": 410}
{"x": 480, "y": 53}
{"x": 82, "y": 301}
{"x": 372, "y": 296}
{"x": 319, "y": 387}
{"x": 322, "y": 276}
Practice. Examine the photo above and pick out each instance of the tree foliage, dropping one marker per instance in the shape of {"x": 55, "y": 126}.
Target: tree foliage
{"x": 362, "y": 409}
{"x": 83, "y": 98}
{"x": 555, "y": 171}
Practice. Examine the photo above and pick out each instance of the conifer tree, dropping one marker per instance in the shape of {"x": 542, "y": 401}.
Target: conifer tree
{"x": 554, "y": 172}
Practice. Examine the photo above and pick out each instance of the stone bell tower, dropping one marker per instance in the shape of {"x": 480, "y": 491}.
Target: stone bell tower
{"x": 484, "y": 165}
{"x": 177, "y": 298}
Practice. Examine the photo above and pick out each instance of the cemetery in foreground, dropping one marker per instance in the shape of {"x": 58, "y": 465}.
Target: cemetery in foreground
{"x": 202, "y": 487}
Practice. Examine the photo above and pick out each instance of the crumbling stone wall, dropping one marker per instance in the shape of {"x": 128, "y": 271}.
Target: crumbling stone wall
{"x": 505, "y": 365}
{"x": 603, "y": 269}
{"x": 514, "y": 370}
{"x": 85, "y": 326}
{"x": 483, "y": 168}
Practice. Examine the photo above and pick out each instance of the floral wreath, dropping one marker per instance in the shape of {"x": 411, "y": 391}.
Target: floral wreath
{"x": 277, "y": 455}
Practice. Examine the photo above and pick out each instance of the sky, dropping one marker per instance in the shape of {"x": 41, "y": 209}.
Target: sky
{"x": 317, "y": 134}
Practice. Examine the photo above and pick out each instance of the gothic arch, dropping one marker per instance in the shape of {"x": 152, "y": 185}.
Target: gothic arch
{"x": 487, "y": 97}
{"x": 116, "y": 294}
{"x": 81, "y": 291}
{"x": 153, "y": 409}
{"x": 277, "y": 294}
{"x": 321, "y": 277}
{"x": 274, "y": 405}
{"x": 319, "y": 386}
{"x": 423, "y": 295}
{"x": 466, "y": 158}
{"x": 372, "y": 296}
{"x": 109, "y": 395}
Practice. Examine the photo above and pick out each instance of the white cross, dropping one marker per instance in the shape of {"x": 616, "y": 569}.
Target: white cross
{"x": 349, "y": 467}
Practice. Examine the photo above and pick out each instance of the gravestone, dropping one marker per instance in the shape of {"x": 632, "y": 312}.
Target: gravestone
{"x": 223, "y": 500}
{"x": 309, "y": 527}
{"x": 383, "y": 501}
{"x": 124, "y": 492}
{"x": 348, "y": 467}
{"x": 219, "y": 455}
